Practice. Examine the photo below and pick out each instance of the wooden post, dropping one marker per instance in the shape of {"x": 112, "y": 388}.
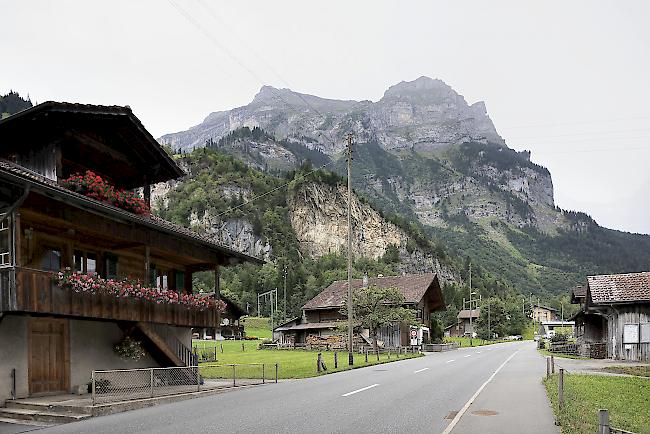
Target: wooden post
{"x": 336, "y": 360}
{"x": 318, "y": 362}
{"x": 263, "y": 374}
{"x": 552, "y": 365}
{"x": 221, "y": 348}
{"x": 242, "y": 346}
{"x": 234, "y": 375}
{"x": 548, "y": 367}
{"x": 366, "y": 355}
{"x": 560, "y": 389}
{"x": 603, "y": 422}
{"x": 276, "y": 373}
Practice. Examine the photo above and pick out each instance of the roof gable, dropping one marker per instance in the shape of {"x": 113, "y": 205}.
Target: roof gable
{"x": 619, "y": 288}
{"x": 109, "y": 140}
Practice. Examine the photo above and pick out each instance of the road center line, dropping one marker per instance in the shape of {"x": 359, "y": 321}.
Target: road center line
{"x": 360, "y": 390}
{"x": 478, "y": 352}
{"x": 469, "y": 355}
{"x": 420, "y": 370}
{"x": 449, "y": 361}
{"x": 473, "y": 398}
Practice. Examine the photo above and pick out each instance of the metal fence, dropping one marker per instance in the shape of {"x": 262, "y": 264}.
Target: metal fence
{"x": 440, "y": 347}
{"x": 130, "y": 384}
{"x": 238, "y": 374}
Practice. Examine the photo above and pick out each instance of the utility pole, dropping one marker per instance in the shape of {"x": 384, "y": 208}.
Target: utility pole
{"x": 285, "y": 290}
{"x": 489, "y": 325}
{"x": 350, "y": 313}
{"x": 471, "y": 329}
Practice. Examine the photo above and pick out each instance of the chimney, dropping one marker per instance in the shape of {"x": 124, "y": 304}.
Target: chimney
{"x": 365, "y": 280}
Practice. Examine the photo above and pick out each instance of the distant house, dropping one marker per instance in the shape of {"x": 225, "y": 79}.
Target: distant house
{"x": 550, "y": 328}
{"x": 322, "y": 314}
{"x": 463, "y": 327}
{"x": 544, "y": 313}
{"x": 615, "y": 315}
{"x": 229, "y": 327}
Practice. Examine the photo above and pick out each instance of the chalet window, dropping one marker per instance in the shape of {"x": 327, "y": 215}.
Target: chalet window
{"x": 111, "y": 266}
{"x": 179, "y": 278}
{"x": 5, "y": 243}
{"x": 51, "y": 259}
{"x": 85, "y": 262}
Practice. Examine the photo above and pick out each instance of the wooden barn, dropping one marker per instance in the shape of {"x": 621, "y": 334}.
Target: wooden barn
{"x": 83, "y": 263}
{"x": 615, "y": 314}
{"x": 322, "y": 314}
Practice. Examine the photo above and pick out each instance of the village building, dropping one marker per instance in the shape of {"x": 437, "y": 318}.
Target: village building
{"x": 551, "y": 328}
{"x": 463, "y": 326}
{"x": 70, "y": 239}
{"x": 544, "y": 313}
{"x": 322, "y": 319}
{"x": 230, "y": 326}
{"x": 614, "y": 316}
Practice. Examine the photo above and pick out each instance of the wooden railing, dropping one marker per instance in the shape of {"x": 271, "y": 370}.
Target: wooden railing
{"x": 34, "y": 291}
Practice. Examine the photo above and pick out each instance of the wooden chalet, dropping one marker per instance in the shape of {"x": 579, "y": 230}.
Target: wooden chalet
{"x": 322, "y": 314}
{"x": 614, "y": 316}
{"x": 53, "y": 336}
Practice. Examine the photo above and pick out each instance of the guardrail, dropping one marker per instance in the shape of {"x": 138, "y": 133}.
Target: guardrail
{"x": 440, "y": 347}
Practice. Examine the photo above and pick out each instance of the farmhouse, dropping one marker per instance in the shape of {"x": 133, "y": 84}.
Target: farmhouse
{"x": 463, "y": 327}
{"x": 83, "y": 263}
{"x": 544, "y": 313}
{"x": 322, "y": 314}
{"x": 614, "y": 316}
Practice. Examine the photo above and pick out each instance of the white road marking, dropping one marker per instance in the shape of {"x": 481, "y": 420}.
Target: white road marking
{"x": 468, "y": 355}
{"x": 449, "y": 361}
{"x": 420, "y": 370}
{"x": 478, "y": 352}
{"x": 360, "y": 390}
{"x": 471, "y": 400}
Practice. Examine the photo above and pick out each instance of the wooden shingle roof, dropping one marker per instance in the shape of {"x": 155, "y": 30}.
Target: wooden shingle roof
{"x": 412, "y": 286}
{"x": 619, "y": 288}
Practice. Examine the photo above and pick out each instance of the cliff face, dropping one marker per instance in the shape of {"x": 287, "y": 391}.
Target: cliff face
{"x": 318, "y": 214}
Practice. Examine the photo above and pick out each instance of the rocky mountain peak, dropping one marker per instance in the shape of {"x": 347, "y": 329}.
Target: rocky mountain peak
{"x": 423, "y": 86}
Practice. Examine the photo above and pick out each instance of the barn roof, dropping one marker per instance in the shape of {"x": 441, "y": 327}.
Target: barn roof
{"x": 619, "y": 288}
{"x": 412, "y": 286}
{"x": 465, "y": 313}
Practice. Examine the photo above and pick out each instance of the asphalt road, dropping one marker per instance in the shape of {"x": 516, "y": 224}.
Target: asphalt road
{"x": 410, "y": 396}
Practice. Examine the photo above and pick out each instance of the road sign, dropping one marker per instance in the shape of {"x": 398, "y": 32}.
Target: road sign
{"x": 414, "y": 333}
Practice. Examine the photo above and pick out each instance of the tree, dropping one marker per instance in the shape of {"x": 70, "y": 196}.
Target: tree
{"x": 376, "y": 307}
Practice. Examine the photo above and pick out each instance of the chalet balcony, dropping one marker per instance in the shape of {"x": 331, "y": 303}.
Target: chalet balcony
{"x": 27, "y": 290}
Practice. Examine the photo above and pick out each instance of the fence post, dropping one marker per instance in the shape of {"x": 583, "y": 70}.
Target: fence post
{"x": 151, "y": 380}
{"x": 93, "y": 388}
{"x": 263, "y": 374}
{"x": 336, "y": 360}
{"x": 221, "y": 348}
{"x": 196, "y": 354}
{"x": 560, "y": 389}
{"x": 276, "y": 373}
{"x": 603, "y": 422}
{"x": 242, "y": 346}
{"x": 552, "y": 364}
{"x": 548, "y": 367}
{"x": 366, "y": 355}
{"x": 198, "y": 380}
{"x": 318, "y": 362}
{"x": 234, "y": 375}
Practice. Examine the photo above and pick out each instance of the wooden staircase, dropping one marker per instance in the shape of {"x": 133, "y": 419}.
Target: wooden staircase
{"x": 168, "y": 344}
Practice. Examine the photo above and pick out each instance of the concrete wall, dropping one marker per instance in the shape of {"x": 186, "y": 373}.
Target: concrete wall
{"x": 13, "y": 355}
{"x": 91, "y": 348}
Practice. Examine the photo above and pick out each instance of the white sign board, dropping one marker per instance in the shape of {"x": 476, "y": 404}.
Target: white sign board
{"x": 631, "y": 333}
{"x": 645, "y": 333}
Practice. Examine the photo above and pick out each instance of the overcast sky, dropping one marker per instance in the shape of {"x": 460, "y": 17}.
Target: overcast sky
{"x": 568, "y": 80}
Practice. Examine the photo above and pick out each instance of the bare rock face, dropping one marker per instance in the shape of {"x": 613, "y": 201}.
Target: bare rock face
{"x": 424, "y": 113}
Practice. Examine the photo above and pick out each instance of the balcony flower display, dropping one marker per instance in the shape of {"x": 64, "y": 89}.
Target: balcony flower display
{"x": 134, "y": 289}
{"x": 95, "y": 187}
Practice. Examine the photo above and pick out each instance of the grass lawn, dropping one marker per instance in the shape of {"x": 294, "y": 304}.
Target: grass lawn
{"x": 476, "y": 342}
{"x": 641, "y": 371}
{"x": 258, "y": 327}
{"x": 626, "y": 398}
{"x": 292, "y": 363}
